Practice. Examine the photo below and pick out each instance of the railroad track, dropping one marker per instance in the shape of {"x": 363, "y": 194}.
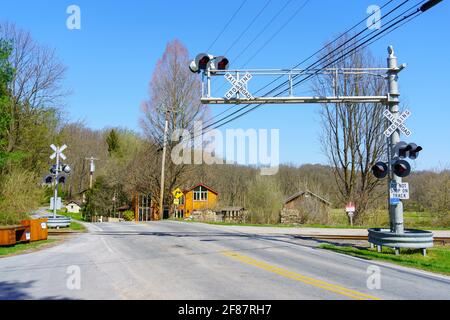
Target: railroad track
{"x": 437, "y": 240}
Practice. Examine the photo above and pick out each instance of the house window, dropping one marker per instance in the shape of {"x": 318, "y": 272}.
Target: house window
{"x": 200, "y": 194}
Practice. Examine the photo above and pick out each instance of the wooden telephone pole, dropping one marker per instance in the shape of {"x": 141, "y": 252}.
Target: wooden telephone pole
{"x": 91, "y": 170}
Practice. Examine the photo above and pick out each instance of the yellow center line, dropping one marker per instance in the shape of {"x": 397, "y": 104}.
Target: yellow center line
{"x": 299, "y": 277}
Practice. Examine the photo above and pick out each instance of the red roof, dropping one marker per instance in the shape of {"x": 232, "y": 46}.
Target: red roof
{"x": 201, "y": 185}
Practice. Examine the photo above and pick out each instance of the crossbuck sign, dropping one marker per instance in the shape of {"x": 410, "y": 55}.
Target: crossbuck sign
{"x": 58, "y": 151}
{"x": 238, "y": 86}
{"x": 397, "y": 123}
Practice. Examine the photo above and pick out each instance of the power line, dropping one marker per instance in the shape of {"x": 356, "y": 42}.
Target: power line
{"x": 368, "y": 41}
{"x": 248, "y": 26}
{"x": 276, "y": 33}
{"x": 378, "y": 36}
{"x": 263, "y": 30}
{"x": 257, "y": 106}
{"x": 258, "y": 35}
{"x": 227, "y": 24}
{"x": 308, "y": 58}
{"x": 313, "y": 54}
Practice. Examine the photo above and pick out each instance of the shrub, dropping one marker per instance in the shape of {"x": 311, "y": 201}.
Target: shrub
{"x": 20, "y": 193}
{"x": 264, "y": 200}
{"x": 128, "y": 215}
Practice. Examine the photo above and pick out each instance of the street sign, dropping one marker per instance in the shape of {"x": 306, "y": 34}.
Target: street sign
{"x": 177, "y": 193}
{"x": 394, "y": 201}
{"x": 350, "y": 208}
{"x": 176, "y": 202}
{"x": 238, "y": 86}
{"x": 397, "y": 123}
{"x": 399, "y": 190}
{"x": 58, "y": 203}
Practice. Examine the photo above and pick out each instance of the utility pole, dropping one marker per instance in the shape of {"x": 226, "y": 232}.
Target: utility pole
{"x": 91, "y": 170}
{"x": 163, "y": 164}
{"x": 395, "y": 210}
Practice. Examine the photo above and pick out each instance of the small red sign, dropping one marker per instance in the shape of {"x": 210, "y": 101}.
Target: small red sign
{"x": 350, "y": 207}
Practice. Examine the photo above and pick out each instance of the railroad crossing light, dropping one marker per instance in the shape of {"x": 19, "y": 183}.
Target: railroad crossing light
{"x": 201, "y": 62}
{"x": 67, "y": 169}
{"x": 401, "y": 168}
{"x": 380, "y": 170}
{"x": 53, "y": 169}
{"x": 48, "y": 180}
{"x": 62, "y": 180}
{"x": 221, "y": 63}
{"x": 414, "y": 150}
{"x": 404, "y": 150}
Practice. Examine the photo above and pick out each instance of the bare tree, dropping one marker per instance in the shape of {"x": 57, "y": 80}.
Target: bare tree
{"x": 174, "y": 93}
{"x": 352, "y": 136}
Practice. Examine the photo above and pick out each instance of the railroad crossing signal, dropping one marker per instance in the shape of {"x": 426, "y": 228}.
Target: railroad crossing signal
{"x": 380, "y": 170}
{"x": 397, "y": 123}
{"x": 401, "y": 168}
{"x": 404, "y": 150}
{"x": 238, "y": 86}
{"x": 204, "y": 61}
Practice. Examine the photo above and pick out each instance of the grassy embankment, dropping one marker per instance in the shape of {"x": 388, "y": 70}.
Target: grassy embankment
{"x": 21, "y": 247}
{"x": 437, "y": 259}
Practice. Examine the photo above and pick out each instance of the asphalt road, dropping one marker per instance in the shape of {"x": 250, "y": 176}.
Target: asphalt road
{"x": 173, "y": 260}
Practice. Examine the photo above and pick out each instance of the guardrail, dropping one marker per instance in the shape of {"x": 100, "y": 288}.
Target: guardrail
{"x": 441, "y": 240}
{"x": 59, "y": 222}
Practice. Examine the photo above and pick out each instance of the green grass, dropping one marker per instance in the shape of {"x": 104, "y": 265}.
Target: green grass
{"x": 437, "y": 259}
{"x": 5, "y": 251}
{"x": 74, "y": 216}
{"x": 75, "y": 226}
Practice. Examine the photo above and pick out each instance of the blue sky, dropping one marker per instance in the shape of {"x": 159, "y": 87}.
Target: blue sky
{"x": 112, "y": 57}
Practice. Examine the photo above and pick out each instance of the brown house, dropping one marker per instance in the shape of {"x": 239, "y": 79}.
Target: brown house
{"x": 305, "y": 207}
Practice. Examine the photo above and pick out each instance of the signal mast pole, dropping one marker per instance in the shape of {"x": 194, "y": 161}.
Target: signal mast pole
{"x": 55, "y": 195}
{"x": 395, "y": 210}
